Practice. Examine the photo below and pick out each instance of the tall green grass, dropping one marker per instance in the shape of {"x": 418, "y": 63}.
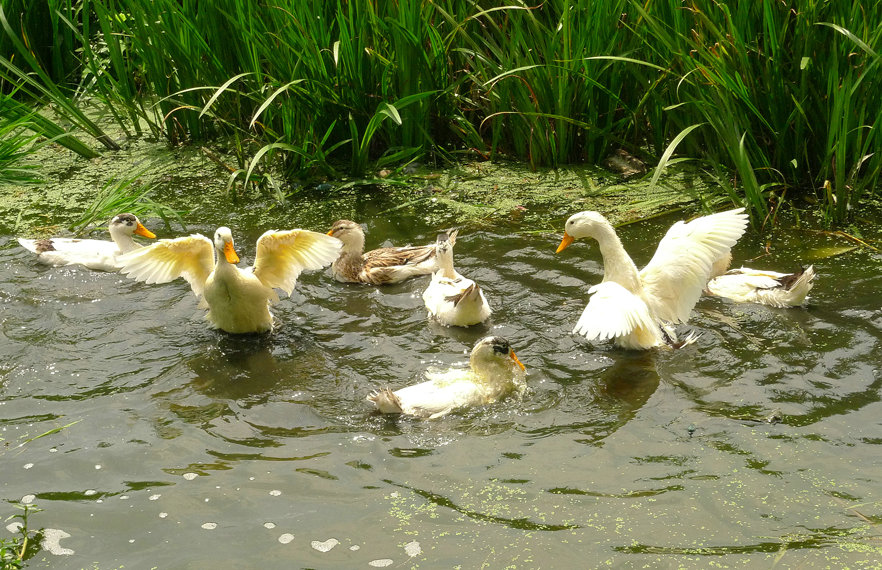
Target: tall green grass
{"x": 774, "y": 98}
{"x": 15, "y": 145}
{"x": 789, "y": 93}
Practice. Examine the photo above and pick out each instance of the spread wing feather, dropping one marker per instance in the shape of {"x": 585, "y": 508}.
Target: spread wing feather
{"x": 613, "y": 312}
{"x": 283, "y": 255}
{"x": 190, "y": 257}
{"x": 678, "y": 272}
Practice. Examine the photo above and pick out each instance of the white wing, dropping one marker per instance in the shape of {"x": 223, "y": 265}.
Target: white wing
{"x": 613, "y": 312}
{"x": 282, "y": 256}
{"x": 189, "y": 257}
{"x": 678, "y": 272}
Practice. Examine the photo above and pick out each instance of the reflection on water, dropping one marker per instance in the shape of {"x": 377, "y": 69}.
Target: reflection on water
{"x": 757, "y": 445}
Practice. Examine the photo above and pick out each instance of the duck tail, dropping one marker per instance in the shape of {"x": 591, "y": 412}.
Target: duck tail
{"x": 798, "y": 285}
{"x": 386, "y": 401}
{"x": 37, "y": 245}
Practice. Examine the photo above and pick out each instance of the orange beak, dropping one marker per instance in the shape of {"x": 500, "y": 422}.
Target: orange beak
{"x": 142, "y": 231}
{"x": 331, "y": 233}
{"x": 230, "y": 253}
{"x": 512, "y": 355}
{"x": 565, "y": 242}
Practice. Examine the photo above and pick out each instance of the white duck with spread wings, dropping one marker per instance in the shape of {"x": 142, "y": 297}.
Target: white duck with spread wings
{"x": 637, "y": 308}
{"x": 237, "y": 299}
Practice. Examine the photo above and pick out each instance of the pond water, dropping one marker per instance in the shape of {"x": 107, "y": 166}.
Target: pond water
{"x": 759, "y": 445}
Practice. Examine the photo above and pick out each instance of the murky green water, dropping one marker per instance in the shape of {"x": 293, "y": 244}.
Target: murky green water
{"x": 195, "y": 449}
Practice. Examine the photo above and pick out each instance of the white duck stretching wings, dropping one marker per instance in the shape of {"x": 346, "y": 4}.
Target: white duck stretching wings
{"x": 93, "y": 253}
{"x": 636, "y": 308}
{"x": 237, "y": 300}
{"x": 450, "y": 298}
{"x": 494, "y": 372}
{"x": 379, "y": 266}
{"x": 770, "y": 288}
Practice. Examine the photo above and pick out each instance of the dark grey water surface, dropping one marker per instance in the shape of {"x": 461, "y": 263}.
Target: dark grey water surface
{"x": 196, "y": 449}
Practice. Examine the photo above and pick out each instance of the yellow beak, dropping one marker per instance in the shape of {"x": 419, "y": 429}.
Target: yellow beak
{"x": 230, "y": 253}
{"x": 565, "y": 242}
{"x": 331, "y": 233}
{"x": 515, "y": 358}
{"x": 142, "y": 231}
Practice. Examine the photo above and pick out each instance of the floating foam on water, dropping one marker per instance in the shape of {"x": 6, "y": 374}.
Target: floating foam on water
{"x": 28, "y": 465}
{"x": 14, "y": 527}
{"x": 163, "y": 515}
{"x": 380, "y": 563}
{"x": 324, "y": 546}
{"x": 413, "y": 549}
{"x": 51, "y": 539}
{"x": 189, "y": 476}
{"x": 275, "y": 492}
{"x": 90, "y": 492}
{"x": 97, "y": 467}
{"x": 154, "y": 497}
{"x": 286, "y": 538}
{"x": 209, "y": 526}
{"x": 269, "y": 525}
{"x": 28, "y": 499}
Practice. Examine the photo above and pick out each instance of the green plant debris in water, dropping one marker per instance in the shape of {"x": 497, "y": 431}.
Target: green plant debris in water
{"x": 473, "y": 194}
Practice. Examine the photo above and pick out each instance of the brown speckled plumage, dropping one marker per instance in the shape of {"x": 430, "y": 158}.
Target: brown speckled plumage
{"x": 44, "y": 245}
{"x": 379, "y": 266}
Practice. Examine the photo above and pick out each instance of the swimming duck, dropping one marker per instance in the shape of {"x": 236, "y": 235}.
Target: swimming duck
{"x": 452, "y": 299}
{"x": 770, "y": 288}
{"x": 494, "y": 371}
{"x": 637, "y": 308}
{"x": 379, "y": 266}
{"x": 237, "y": 300}
{"x": 93, "y": 253}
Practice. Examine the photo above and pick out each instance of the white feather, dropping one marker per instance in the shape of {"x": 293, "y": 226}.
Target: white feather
{"x": 770, "y": 288}
{"x": 237, "y": 299}
{"x": 101, "y": 255}
{"x": 450, "y": 298}
{"x": 632, "y": 306}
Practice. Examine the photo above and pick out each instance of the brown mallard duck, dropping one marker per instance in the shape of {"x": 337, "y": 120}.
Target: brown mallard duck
{"x": 379, "y": 266}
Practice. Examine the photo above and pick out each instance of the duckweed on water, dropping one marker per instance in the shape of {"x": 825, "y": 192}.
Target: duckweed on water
{"x": 472, "y": 194}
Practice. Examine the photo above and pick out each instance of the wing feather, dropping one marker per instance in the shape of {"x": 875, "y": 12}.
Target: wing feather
{"x": 678, "y": 272}
{"x": 190, "y": 257}
{"x": 283, "y": 255}
{"x": 613, "y": 312}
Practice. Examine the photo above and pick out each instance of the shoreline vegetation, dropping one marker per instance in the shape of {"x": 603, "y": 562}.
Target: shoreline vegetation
{"x": 774, "y": 101}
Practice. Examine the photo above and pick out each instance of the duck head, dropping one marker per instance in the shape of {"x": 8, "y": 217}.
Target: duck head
{"x": 582, "y": 225}
{"x": 223, "y": 243}
{"x": 128, "y": 224}
{"x": 444, "y": 245}
{"x": 350, "y": 234}
{"x": 494, "y": 351}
